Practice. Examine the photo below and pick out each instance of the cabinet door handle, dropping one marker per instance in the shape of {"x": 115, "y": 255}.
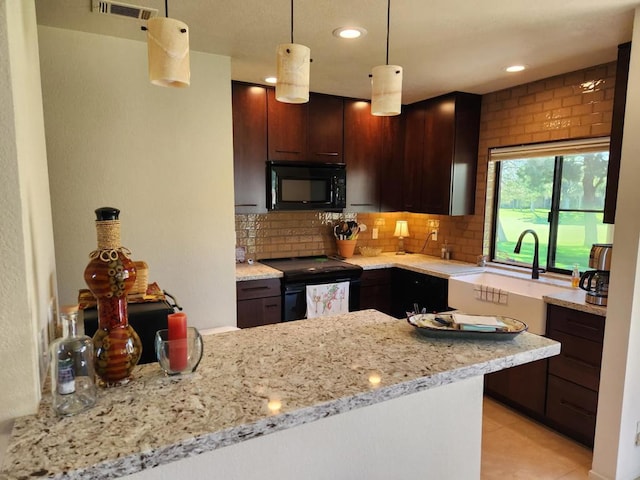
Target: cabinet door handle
{"x": 581, "y": 362}
{"x": 287, "y": 151}
{"x": 576, "y": 408}
{"x": 246, "y": 205}
{"x": 271, "y": 305}
{"x": 328, "y": 154}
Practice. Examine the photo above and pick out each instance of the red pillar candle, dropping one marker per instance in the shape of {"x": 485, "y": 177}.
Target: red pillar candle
{"x": 177, "y": 323}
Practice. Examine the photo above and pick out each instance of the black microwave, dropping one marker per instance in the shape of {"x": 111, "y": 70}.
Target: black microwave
{"x": 306, "y": 186}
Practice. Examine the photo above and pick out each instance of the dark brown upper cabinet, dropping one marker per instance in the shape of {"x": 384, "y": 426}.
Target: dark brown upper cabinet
{"x": 363, "y": 140}
{"x": 391, "y": 167}
{"x": 310, "y": 131}
{"x": 441, "y": 154}
{"x": 617, "y": 127}
{"x": 249, "y": 108}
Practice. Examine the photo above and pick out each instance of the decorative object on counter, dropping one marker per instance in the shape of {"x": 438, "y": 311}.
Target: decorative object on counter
{"x": 168, "y": 51}
{"x": 73, "y": 388}
{"x": 189, "y": 347}
{"x": 455, "y": 325}
{"x": 110, "y": 275}
{"x": 402, "y": 231}
{"x": 370, "y": 251}
{"x": 386, "y": 83}
{"x": 142, "y": 279}
{"x": 154, "y": 293}
{"x": 177, "y": 325}
{"x": 293, "y": 65}
{"x": 481, "y": 260}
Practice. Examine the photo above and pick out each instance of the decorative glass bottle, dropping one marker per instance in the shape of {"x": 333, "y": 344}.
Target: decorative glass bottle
{"x": 110, "y": 275}
{"x": 73, "y": 386}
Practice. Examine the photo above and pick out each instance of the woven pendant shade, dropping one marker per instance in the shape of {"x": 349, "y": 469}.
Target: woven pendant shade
{"x": 386, "y": 90}
{"x": 293, "y": 62}
{"x": 168, "y": 49}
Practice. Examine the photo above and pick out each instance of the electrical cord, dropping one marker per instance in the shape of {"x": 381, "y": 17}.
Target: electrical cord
{"x": 426, "y": 241}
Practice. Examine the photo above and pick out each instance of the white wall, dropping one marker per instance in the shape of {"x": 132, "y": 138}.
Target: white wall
{"x": 615, "y": 454}
{"x": 27, "y": 277}
{"x": 163, "y": 156}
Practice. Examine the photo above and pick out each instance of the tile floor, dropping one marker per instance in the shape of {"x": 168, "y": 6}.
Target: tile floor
{"x": 517, "y": 448}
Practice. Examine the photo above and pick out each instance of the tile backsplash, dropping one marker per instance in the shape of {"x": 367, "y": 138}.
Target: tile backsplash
{"x": 293, "y": 234}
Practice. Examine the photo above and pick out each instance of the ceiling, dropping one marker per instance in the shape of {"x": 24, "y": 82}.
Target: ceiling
{"x": 442, "y": 45}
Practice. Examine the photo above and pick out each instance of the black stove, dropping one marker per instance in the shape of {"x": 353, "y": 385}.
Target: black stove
{"x": 302, "y": 269}
{"x": 298, "y": 272}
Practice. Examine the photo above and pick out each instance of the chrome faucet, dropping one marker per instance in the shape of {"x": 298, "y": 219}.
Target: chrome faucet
{"x": 535, "y": 270}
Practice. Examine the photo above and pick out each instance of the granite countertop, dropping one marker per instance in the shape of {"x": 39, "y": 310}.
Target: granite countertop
{"x": 257, "y": 271}
{"x": 313, "y": 368}
{"x": 575, "y": 299}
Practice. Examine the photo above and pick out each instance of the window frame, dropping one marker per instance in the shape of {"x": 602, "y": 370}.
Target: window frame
{"x": 537, "y": 150}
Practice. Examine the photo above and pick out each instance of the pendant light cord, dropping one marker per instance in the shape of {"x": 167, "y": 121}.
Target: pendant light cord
{"x": 291, "y": 21}
{"x": 388, "y": 16}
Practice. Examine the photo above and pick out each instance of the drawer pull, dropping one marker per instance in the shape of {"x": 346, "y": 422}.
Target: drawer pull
{"x": 581, "y": 362}
{"x": 249, "y": 289}
{"x": 576, "y": 408}
{"x": 580, "y": 325}
{"x": 246, "y": 205}
{"x": 272, "y": 305}
{"x": 328, "y": 154}
{"x": 361, "y": 204}
{"x": 287, "y": 151}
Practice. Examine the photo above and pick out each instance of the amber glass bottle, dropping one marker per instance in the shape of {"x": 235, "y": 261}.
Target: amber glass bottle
{"x": 110, "y": 275}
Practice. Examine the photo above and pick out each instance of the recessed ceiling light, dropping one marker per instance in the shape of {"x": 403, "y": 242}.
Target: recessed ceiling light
{"x": 515, "y": 68}
{"x": 349, "y": 32}
{"x": 270, "y": 79}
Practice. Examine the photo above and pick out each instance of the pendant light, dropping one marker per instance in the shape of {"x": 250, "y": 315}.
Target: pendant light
{"x": 386, "y": 84}
{"x": 293, "y": 62}
{"x": 168, "y": 50}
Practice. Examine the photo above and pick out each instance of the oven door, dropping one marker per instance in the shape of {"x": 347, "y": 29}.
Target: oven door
{"x": 294, "y": 303}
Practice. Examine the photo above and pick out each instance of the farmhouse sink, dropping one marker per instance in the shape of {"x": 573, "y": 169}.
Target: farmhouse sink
{"x": 494, "y": 294}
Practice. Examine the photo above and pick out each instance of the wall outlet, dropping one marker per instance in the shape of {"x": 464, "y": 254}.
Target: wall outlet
{"x": 637, "y": 434}
{"x": 434, "y": 237}
{"x": 374, "y": 233}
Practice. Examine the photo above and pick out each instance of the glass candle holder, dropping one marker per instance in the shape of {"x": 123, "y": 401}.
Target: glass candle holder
{"x": 179, "y": 356}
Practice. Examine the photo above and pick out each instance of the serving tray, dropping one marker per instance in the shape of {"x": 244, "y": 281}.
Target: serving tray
{"x": 426, "y": 324}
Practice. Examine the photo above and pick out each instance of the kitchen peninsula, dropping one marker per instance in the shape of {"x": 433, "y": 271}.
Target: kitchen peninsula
{"x": 360, "y": 395}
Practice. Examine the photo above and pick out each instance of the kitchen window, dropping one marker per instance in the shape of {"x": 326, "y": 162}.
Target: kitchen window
{"x": 557, "y": 190}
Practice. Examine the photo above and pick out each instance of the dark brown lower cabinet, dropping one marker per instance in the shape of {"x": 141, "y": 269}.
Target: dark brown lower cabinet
{"x": 522, "y": 387}
{"x": 562, "y": 391}
{"x": 572, "y": 409}
{"x": 375, "y": 290}
{"x": 258, "y": 302}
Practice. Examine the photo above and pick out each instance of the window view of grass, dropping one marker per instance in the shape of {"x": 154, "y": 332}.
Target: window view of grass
{"x": 571, "y": 188}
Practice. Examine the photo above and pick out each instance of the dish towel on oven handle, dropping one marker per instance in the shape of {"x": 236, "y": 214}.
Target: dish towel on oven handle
{"x": 327, "y": 299}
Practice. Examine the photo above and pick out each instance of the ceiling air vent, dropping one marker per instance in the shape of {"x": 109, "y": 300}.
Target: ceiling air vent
{"x": 110, "y": 7}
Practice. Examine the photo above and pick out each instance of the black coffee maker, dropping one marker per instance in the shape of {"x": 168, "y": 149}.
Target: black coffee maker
{"x": 596, "y": 282}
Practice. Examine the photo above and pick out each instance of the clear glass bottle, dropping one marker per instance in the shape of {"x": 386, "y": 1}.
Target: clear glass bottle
{"x": 73, "y": 385}
{"x": 575, "y": 276}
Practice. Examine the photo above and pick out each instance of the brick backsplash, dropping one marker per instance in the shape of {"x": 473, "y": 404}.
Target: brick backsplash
{"x": 574, "y": 105}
